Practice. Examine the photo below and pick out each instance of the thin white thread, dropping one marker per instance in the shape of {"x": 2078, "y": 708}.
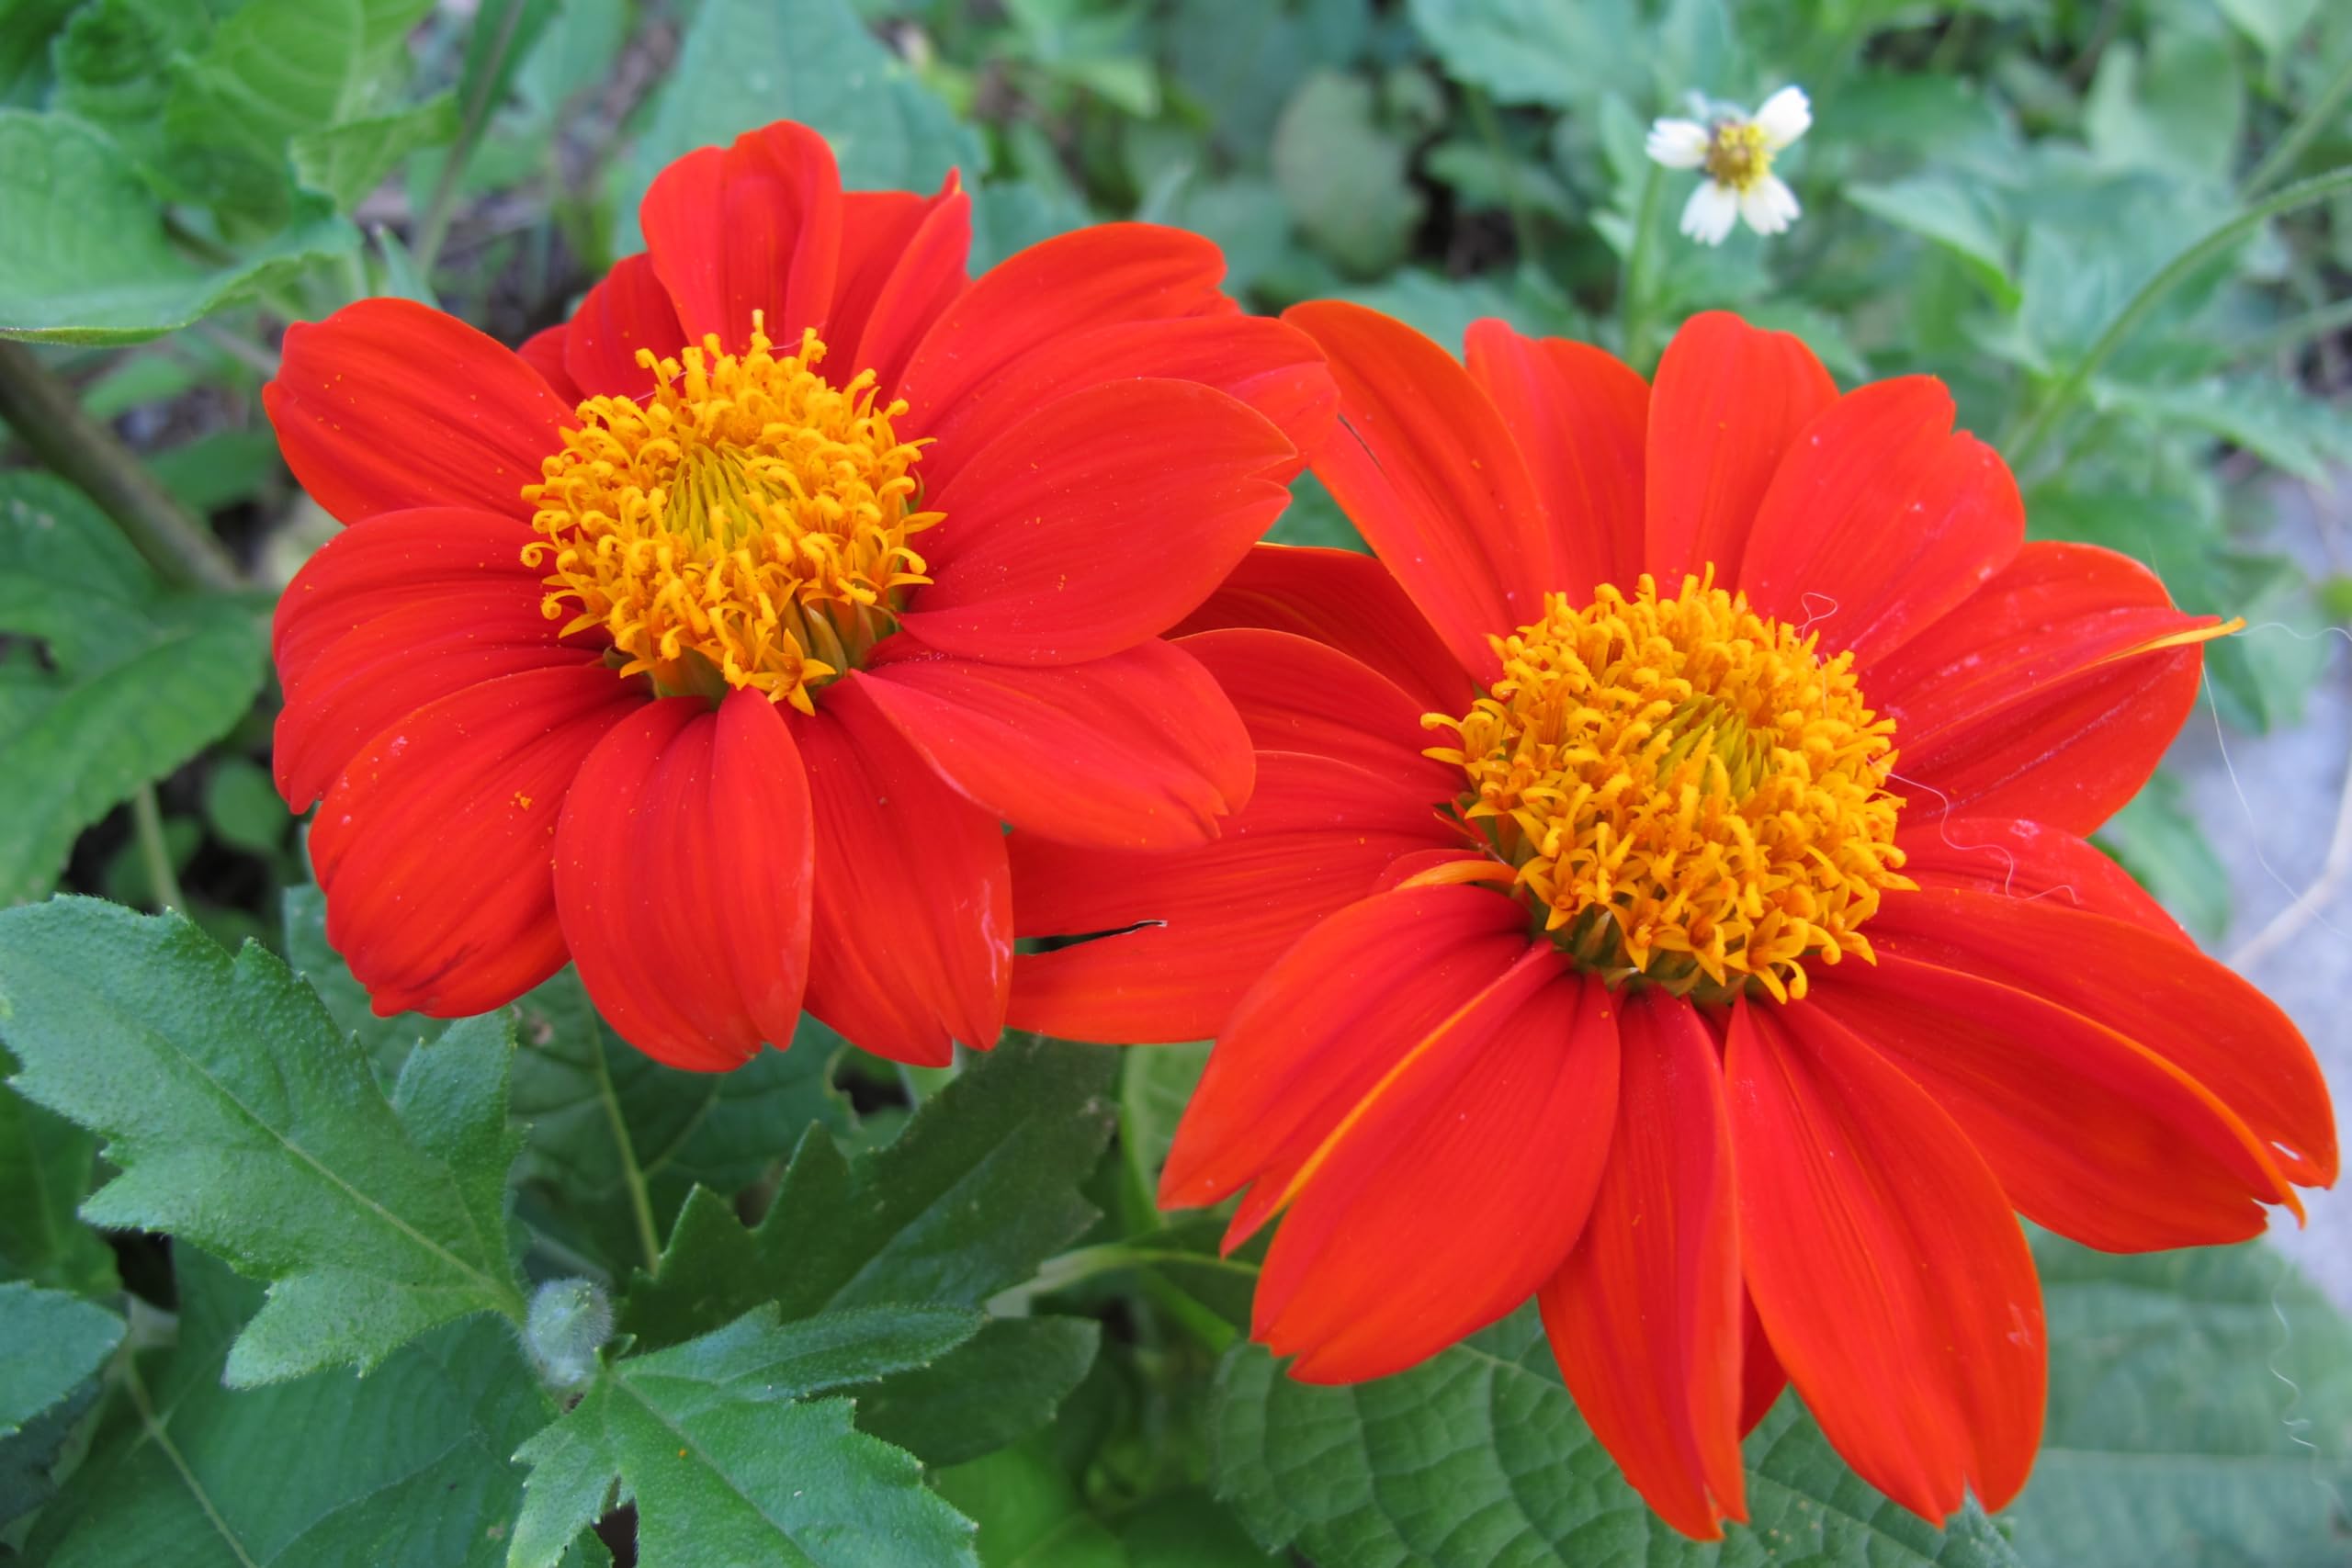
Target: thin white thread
{"x": 2253, "y": 839}
{"x": 2010, "y": 878}
{"x": 2295, "y": 1426}
{"x": 1811, "y": 615}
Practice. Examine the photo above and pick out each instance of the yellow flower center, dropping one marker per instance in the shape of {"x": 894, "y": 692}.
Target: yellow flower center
{"x": 1687, "y": 794}
{"x": 746, "y": 525}
{"x": 1737, "y": 157}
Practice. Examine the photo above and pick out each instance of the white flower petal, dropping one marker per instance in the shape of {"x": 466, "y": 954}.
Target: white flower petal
{"x": 1769, "y": 205}
{"x": 1709, "y": 215}
{"x": 1679, "y": 143}
{"x": 1786, "y": 116}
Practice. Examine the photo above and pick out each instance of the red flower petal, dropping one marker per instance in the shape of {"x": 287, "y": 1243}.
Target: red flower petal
{"x": 1893, "y": 1282}
{"x": 1316, "y": 835}
{"x": 542, "y": 352}
{"x": 390, "y": 561}
{"x": 1761, "y": 1376}
{"x": 2189, "y": 1009}
{"x": 1057, "y": 289}
{"x": 1728, "y": 404}
{"x": 388, "y": 404}
{"x": 1343, "y": 598}
{"x": 754, "y": 226}
{"x": 2090, "y": 1134}
{"x": 1426, "y": 469}
{"x": 1273, "y": 367}
{"x": 1323, "y": 1027}
{"x": 1097, "y": 522}
{"x": 1645, "y": 1315}
{"x": 1138, "y": 750}
{"x": 1297, "y": 695}
{"x": 1579, "y": 414}
{"x": 2030, "y": 700}
{"x": 913, "y": 910}
{"x": 1881, "y": 519}
{"x": 2025, "y": 860}
{"x": 682, "y": 869}
{"x": 387, "y": 668}
{"x": 628, "y": 309}
{"x": 1455, "y": 1188}
{"x": 434, "y": 846}
{"x": 902, "y": 263}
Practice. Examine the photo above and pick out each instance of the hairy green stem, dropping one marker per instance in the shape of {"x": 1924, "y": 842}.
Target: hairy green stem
{"x": 2038, "y": 427}
{"x": 155, "y": 851}
{"x": 43, "y": 409}
{"x": 435, "y": 229}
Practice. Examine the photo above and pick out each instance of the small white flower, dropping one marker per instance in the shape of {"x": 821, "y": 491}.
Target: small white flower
{"x": 1736, "y": 150}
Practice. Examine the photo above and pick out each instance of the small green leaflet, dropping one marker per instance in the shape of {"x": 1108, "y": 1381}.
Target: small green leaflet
{"x": 1478, "y": 1456}
{"x": 52, "y": 1345}
{"x": 142, "y": 680}
{"x": 45, "y": 1164}
{"x": 245, "y": 1122}
{"x": 729, "y": 1461}
{"x": 407, "y": 1467}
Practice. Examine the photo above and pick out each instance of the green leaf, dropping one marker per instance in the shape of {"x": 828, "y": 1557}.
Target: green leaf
{"x": 45, "y": 1164}
{"x": 1438, "y": 1466}
{"x": 244, "y": 1121}
{"x": 995, "y": 1390}
{"x": 2162, "y": 845}
{"x": 1344, "y": 178}
{"x": 1029, "y": 1512}
{"x": 729, "y": 1461}
{"x": 52, "y": 1345}
{"x": 619, "y": 1140}
{"x": 745, "y": 63}
{"x": 271, "y": 71}
{"x": 980, "y": 1188}
{"x": 244, "y": 807}
{"x": 142, "y": 681}
{"x": 2178, "y": 110}
{"x": 1953, "y": 215}
{"x": 83, "y": 257}
{"x": 218, "y": 469}
{"x": 2273, "y": 24}
{"x": 2271, "y": 418}
{"x": 2200, "y": 1413}
{"x": 1529, "y": 51}
{"x": 345, "y": 162}
{"x": 405, "y": 1468}
{"x": 115, "y": 59}
{"x": 1190, "y": 1530}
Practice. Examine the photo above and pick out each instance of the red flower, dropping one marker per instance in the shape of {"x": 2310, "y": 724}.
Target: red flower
{"x": 707, "y": 641}
{"x": 1712, "y": 953}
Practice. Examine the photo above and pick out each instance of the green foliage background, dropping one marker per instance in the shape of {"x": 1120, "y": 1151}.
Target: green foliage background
{"x": 844, "y": 1313}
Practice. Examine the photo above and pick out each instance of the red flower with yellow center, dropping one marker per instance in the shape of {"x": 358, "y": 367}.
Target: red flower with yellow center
{"x": 1665, "y": 895}
{"x": 709, "y": 641}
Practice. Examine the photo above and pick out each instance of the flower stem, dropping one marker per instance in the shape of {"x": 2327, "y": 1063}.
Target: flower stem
{"x": 44, "y": 409}
{"x": 154, "y": 851}
{"x": 2280, "y": 159}
{"x": 426, "y": 247}
{"x": 2037, "y": 428}
{"x": 1633, "y": 291}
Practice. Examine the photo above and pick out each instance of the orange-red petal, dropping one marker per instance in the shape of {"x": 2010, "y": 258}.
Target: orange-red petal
{"x": 682, "y": 870}
{"x": 1209, "y": 922}
{"x": 1455, "y": 1188}
{"x": 1097, "y": 522}
{"x": 388, "y": 404}
{"x": 1645, "y": 1314}
{"x": 753, "y": 226}
{"x": 912, "y": 908}
{"x": 2195, "y": 1013}
{"x": 1881, "y": 519}
{"x": 628, "y": 309}
{"x": 1426, "y": 469}
{"x": 436, "y": 845}
{"x": 1579, "y": 415}
{"x": 1885, "y": 1262}
{"x": 1725, "y": 408}
{"x": 902, "y": 263}
{"x": 1343, "y": 598}
{"x": 1138, "y": 750}
{"x": 1297, "y": 695}
{"x": 542, "y": 352}
{"x": 399, "y": 558}
{"x": 2025, "y": 860}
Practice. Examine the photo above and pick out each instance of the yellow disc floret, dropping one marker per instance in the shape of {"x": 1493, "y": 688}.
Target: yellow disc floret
{"x": 1687, "y": 791}
{"x": 1738, "y": 155}
{"x": 745, "y": 525}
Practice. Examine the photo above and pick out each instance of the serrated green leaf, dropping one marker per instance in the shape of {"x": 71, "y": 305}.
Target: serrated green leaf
{"x": 49, "y": 1341}
{"x": 745, "y": 63}
{"x": 1344, "y": 178}
{"x": 405, "y": 1468}
{"x": 142, "y": 680}
{"x": 728, "y": 1461}
{"x": 619, "y": 1140}
{"x": 978, "y": 1189}
{"x": 346, "y": 160}
{"x": 1529, "y": 51}
{"x": 1478, "y": 1456}
{"x": 2200, "y": 1413}
{"x": 244, "y": 1121}
{"x": 45, "y": 1164}
{"x": 1951, "y": 213}
{"x": 83, "y": 257}
{"x": 1002, "y": 1385}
